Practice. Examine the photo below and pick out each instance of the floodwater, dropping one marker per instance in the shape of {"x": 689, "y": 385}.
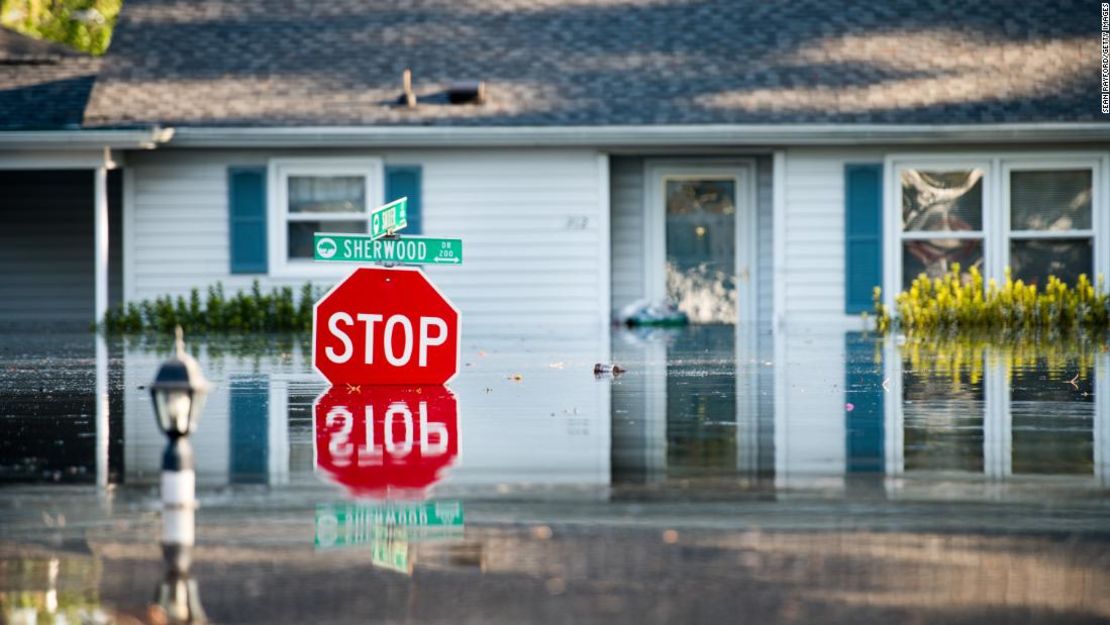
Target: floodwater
{"x": 825, "y": 477}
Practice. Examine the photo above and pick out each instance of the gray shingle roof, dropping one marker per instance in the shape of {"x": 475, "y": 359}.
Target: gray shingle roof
{"x": 42, "y": 85}
{"x": 586, "y": 62}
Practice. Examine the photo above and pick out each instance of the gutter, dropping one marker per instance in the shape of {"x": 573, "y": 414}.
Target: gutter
{"x": 634, "y": 136}
{"x": 145, "y": 139}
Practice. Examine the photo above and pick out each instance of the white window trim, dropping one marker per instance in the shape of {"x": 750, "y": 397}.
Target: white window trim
{"x": 742, "y": 173}
{"x": 894, "y": 235}
{"x": 996, "y": 207}
{"x": 1011, "y": 165}
{"x": 278, "y": 172}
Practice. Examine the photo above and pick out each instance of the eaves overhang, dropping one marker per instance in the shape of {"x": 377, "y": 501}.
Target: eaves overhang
{"x": 633, "y": 136}
{"x": 84, "y": 139}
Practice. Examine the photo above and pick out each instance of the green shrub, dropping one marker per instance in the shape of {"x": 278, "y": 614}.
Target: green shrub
{"x": 249, "y": 311}
{"x": 957, "y": 302}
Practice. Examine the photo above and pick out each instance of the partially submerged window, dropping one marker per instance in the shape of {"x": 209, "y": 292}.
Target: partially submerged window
{"x": 1051, "y": 225}
{"x": 942, "y": 221}
{"x": 1033, "y": 214}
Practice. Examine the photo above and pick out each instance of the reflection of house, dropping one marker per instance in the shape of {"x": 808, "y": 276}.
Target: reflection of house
{"x": 257, "y": 425}
{"x": 845, "y": 406}
{"x": 858, "y": 145}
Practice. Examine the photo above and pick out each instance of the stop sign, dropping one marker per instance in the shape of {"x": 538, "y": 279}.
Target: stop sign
{"x": 385, "y": 326}
{"x": 386, "y": 440}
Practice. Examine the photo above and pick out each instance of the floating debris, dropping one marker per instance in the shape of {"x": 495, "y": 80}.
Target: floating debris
{"x": 601, "y": 369}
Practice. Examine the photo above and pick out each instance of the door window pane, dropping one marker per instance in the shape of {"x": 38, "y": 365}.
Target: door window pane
{"x": 1050, "y": 200}
{"x": 945, "y": 201}
{"x": 300, "y": 234}
{"x": 1034, "y": 260}
{"x": 934, "y": 257}
{"x": 701, "y": 248}
{"x": 327, "y": 194}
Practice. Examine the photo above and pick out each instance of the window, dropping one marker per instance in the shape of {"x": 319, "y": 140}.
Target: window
{"x": 1036, "y": 214}
{"x": 942, "y": 221}
{"x": 319, "y": 195}
{"x": 1051, "y": 223}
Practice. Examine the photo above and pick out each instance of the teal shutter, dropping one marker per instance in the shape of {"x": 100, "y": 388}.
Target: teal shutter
{"x": 865, "y": 447}
{"x": 863, "y": 236}
{"x": 404, "y": 181}
{"x": 247, "y": 209}
{"x": 248, "y": 411}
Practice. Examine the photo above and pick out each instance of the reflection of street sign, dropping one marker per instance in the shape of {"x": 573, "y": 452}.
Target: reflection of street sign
{"x": 389, "y": 218}
{"x": 360, "y": 248}
{"x": 351, "y": 524}
{"x": 391, "y": 553}
{"x": 385, "y": 326}
{"x": 382, "y": 441}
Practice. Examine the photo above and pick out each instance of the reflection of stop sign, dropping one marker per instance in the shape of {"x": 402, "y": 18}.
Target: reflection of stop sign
{"x": 385, "y": 326}
{"x": 386, "y": 440}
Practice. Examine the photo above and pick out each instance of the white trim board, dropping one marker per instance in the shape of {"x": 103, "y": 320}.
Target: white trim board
{"x": 640, "y": 135}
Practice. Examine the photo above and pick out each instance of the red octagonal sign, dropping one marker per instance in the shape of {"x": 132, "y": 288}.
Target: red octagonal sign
{"x": 385, "y": 326}
{"x": 386, "y": 441}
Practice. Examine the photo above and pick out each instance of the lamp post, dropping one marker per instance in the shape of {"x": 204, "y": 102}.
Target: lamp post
{"x": 178, "y": 392}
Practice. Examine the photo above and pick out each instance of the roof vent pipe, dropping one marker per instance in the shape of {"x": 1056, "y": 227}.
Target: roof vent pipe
{"x": 409, "y": 96}
{"x": 467, "y": 92}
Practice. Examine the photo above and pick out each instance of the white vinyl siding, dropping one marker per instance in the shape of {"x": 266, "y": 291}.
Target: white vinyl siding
{"x": 813, "y": 271}
{"x": 530, "y": 221}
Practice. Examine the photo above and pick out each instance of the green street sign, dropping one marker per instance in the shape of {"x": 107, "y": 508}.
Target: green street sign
{"x": 389, "y": 218}
{"x": 360, "y": 248}
{"x": 348, "y": 525}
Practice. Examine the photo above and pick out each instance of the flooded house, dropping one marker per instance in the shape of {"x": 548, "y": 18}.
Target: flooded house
{"x": 764, "y": 166}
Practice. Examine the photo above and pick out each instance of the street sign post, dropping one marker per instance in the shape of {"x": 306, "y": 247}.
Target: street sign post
{"x": 385, "y": 326}
{"x": 361, "y": 248}
{"x": 386, "y": 441}
{"x": 389, "y": 218}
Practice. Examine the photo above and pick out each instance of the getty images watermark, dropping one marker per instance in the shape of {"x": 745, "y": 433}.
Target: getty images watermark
{"x": 1105, "y": 57}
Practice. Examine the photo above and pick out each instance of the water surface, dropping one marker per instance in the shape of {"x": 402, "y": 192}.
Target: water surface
{"x": 822, "y": 476}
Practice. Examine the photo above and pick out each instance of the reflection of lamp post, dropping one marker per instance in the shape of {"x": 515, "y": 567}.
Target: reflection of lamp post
{"x": 178, "y": 392}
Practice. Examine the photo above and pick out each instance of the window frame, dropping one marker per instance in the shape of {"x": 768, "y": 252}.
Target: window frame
{"x": 896, "y": 237}
{"x": 1009, "y": 234}
{"x": 279, "y": 170}
{"x": 996, "y": 234}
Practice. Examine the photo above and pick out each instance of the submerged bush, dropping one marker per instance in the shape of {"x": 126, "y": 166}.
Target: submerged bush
{"x": 956, "y": 302}
{"x": 246, "y": 311}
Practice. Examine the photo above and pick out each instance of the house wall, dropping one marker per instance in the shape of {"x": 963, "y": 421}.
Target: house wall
{"x": 532, "y": 222}
{"x": 627, "y": 200}
{"x": 46, "y": 246}
{"x": 813, "y": 267}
